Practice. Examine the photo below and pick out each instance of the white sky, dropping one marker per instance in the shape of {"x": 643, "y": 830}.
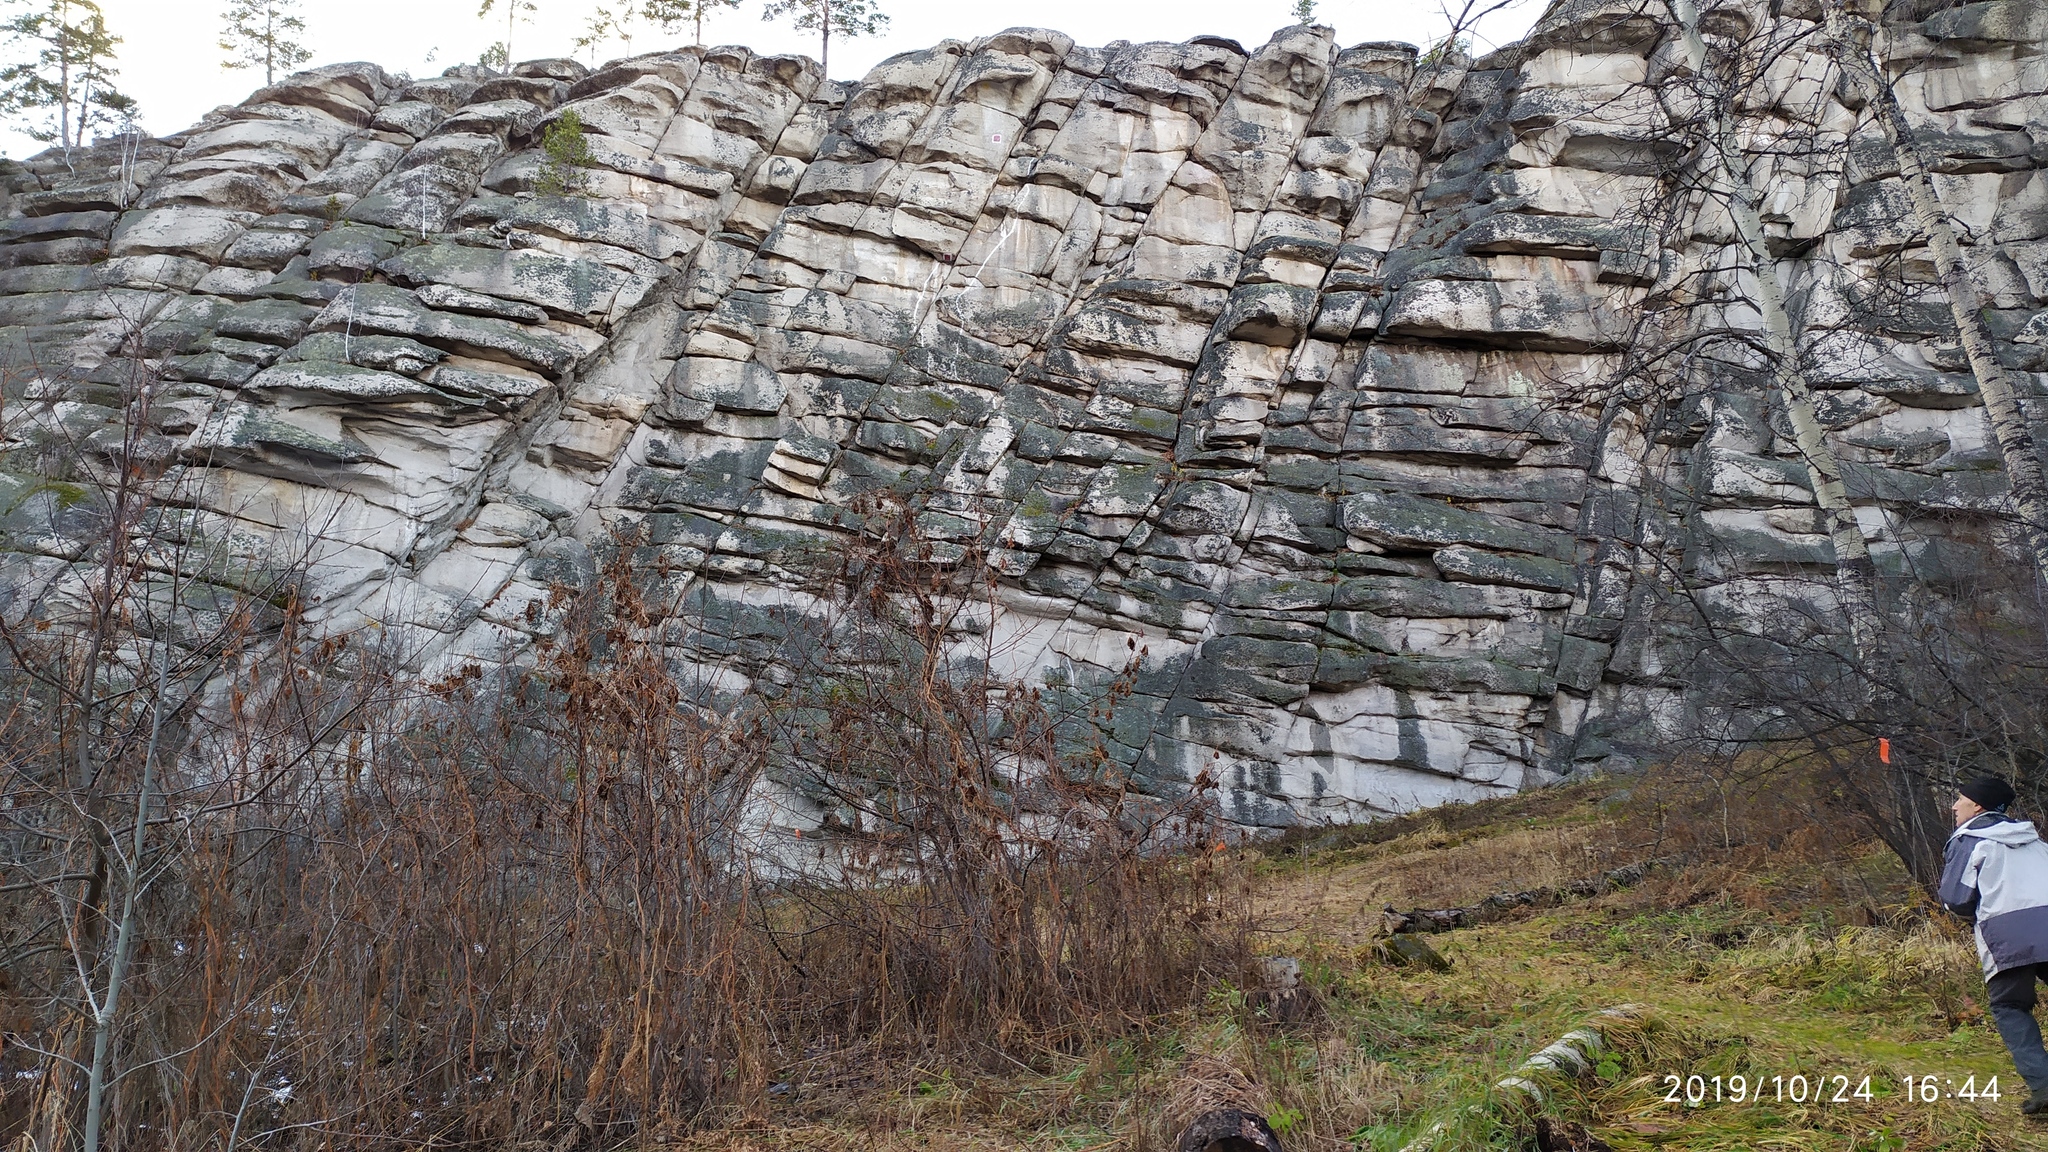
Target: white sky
{"x": 171, "y": 62}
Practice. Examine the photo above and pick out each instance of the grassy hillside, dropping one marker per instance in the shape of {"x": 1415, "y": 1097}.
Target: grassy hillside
{"x": 1768, "y": 944}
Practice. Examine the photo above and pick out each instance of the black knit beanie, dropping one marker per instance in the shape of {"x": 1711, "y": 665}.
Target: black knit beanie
{"x": 1989, "y": 791}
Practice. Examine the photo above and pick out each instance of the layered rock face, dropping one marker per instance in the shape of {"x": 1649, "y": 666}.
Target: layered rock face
{"x": 1289, "y": 369}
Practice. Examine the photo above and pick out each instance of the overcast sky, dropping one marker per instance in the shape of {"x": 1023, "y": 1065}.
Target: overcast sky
{"x": 171, "y": 62}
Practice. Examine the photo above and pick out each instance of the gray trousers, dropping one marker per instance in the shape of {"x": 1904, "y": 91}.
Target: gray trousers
{"x": 2012, "y": 1009}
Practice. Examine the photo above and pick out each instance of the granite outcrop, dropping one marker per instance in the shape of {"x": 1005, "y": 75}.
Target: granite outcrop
{"x": 1299, "y": 370}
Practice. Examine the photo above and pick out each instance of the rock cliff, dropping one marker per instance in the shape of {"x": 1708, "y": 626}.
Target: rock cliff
{"x": 1301, "y": 369}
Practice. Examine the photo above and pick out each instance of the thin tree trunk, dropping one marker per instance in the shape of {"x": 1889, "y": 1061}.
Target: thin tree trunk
{"x": 64, "y": 81}
{"x": 84, "y": 107}
{"x": 116, "y": 578}
{"x": 105, "y": 1015}
{"x": 1855, "y": 575}
{"x": 2001, "y": 404}
{"x": 825, "y": 45}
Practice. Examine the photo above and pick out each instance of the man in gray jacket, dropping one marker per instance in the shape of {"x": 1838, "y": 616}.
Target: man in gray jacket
{"x": 1996, "y": 872}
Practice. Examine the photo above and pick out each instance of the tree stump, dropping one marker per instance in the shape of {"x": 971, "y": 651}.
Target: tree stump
{"x": 1409, "y": 951}
{"x": 1277, "y": 991}
{"x": 1216, "y": 1108}
{"x": 1228, "y": 1130}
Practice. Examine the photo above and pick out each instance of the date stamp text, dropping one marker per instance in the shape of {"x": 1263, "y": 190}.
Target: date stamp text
{"x": 1825, "y": 1088}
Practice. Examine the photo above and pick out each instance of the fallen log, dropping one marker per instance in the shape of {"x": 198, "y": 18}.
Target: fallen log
{"x": 1574, "y": 1055}
{"x": 1500, "y": 904}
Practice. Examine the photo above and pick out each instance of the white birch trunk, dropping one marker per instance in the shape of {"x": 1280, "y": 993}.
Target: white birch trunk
{"x": 2001, "y": 403}
{"x": 1855, "y": 576}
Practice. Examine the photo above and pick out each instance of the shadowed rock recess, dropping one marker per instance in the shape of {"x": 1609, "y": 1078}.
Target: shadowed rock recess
{"x": 1288, "y": 366}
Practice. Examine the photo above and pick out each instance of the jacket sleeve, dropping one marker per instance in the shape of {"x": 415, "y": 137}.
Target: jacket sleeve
{"x": 1958, "y": 891}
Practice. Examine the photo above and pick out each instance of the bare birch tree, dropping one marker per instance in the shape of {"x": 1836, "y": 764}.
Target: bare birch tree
{"x": 514, "y": 9}
{"x": 120, "y": 646}
{"x": 1943, "y": 671}
{"x": 1855, "y": 575}
{"x": 1853, "y": 43}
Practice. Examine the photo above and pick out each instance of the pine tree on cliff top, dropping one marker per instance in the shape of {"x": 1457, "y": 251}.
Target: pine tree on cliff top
{"x": 68, "y": 76}
{"x": 848, "y": 18}
{"x": 669, "y": 13}
{"x": 258, "y": 34}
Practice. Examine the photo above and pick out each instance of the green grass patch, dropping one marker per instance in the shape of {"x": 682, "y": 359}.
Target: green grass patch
{"x": 1787, "y": 963}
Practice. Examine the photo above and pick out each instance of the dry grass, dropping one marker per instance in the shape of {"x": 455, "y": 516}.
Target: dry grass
{"x": 1208, "y": 1083}
{"x": 1341, "y": 900}
{"x": 1778, "y": 950}
{"x": 533, "y": 911}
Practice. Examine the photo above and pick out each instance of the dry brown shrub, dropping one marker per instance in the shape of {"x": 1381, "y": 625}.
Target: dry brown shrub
{"x": 988, "y": 874}
{"x": 1209, "y": 1083}
{"x": 536, "y": 907}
